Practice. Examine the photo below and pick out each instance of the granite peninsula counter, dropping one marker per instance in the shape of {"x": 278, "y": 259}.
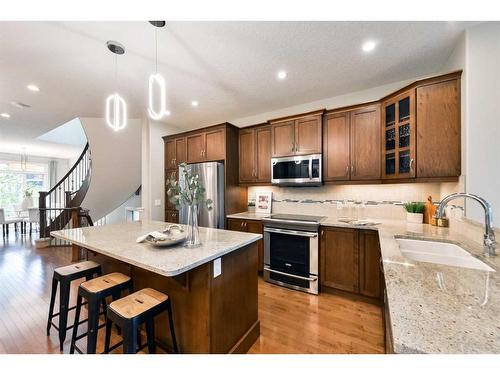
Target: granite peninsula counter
{"x": 213, "y": 312}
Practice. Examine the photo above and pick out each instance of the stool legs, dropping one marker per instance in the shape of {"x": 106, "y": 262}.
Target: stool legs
{"x": 171, "y": 323}
{"x": 129, "y": 339}
{"x": 52, "y": 302}
{"x": 109, "y": 324}
{"x": 75, "y": 325}
{"x": 150, "y": 332}
{"x": 63, "y": 312}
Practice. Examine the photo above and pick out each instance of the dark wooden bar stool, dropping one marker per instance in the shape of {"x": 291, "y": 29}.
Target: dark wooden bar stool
{"x": 65, "y": 275}
{"x": 95, "y": 292}
{"x": 131, "y": 311}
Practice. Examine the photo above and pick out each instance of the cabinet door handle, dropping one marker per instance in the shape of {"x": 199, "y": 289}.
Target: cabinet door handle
{"x": 293, "y": 147}
{"x": 412, "y": 161}
{"x": 347, "y": 169}
{"x": 352, "y": 168}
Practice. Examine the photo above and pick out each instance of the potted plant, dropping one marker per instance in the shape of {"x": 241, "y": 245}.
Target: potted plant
{"x": 414, "y": 212}
{"x": 191, "y": 194}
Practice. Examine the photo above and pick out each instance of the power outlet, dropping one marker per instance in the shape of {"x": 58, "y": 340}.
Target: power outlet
{"x": 217, "y": 267}
{"x": 157, "y": 202}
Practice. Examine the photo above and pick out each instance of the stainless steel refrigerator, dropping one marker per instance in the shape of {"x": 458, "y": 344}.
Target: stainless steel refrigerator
{"x": 212, "y": 179}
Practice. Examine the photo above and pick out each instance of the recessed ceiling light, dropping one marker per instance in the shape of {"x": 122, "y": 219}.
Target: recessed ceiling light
{"x": 32, "y": 87}
{"x": 195, "y": 103}
{"x": 368, "y": 46}
{"x": 282, "y": 75}
{"x": 5, "y": 115}
{"x": 167, "y": 113}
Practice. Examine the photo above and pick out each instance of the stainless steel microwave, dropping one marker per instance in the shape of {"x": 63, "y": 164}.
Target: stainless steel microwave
{"x": 303, "y": 170}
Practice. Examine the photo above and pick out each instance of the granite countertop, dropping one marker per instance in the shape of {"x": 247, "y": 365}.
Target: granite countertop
{"x": 436, "y": 308}
{"x": 119, "y": 242}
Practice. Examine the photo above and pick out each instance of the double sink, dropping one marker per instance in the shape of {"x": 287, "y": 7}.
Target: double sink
{"x": 436, "y": 252}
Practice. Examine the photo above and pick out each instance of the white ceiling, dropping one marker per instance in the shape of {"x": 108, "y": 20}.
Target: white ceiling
{"x": 229, "y": 67}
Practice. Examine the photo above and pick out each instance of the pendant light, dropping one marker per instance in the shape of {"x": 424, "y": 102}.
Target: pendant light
{"x": 157, "y": 84}
{"x": 116, "y": 107}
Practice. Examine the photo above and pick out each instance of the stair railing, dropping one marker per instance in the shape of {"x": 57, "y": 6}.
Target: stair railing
{"x": 68, "y": 192}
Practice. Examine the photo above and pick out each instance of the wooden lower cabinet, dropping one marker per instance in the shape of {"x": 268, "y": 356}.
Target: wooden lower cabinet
{"x": 250, "y": 226}
{"x": 339, "y": 259}
{"x": 370, "y": 278}
{"x": 350, "y": 261}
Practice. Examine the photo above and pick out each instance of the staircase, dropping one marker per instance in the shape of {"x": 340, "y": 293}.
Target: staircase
{"x": 57, "y": 204}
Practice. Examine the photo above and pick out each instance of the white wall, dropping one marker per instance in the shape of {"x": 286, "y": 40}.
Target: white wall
{"x": 153, "y": 172}
{"x": 483, "y": 116}
{"x": 119, "y": 215}
{"x": 116, "y": 165}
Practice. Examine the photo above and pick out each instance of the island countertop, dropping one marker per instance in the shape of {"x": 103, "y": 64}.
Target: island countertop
{"x": 118, "y": 241}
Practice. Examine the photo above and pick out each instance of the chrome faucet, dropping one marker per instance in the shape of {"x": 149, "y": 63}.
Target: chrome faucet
{"x": 489, "y": 235}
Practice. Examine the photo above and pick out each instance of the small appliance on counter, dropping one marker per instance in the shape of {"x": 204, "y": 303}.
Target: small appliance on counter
{"x": 291, "y": 251}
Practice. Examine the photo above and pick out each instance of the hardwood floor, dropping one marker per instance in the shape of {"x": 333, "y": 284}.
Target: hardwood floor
{"x": 291, "y": 321}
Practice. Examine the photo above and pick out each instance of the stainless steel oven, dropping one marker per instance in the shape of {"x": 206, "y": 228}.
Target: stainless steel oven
{"x": 296, "y": 170}
{"x": 291, "y": 246}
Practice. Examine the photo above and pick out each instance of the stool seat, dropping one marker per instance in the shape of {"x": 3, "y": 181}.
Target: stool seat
{"x": 76, "y": 268}
{"x": 102, "y": 283}
{"x": 137, "y": 303}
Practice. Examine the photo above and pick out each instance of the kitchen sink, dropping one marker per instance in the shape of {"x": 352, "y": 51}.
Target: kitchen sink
{"x": 441, "y": 253}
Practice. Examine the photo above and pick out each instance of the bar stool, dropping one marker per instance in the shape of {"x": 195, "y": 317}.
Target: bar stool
{"x": 95, "y": 292}
{"x": 65, "y": 275}
{"x": 131, "y": 311}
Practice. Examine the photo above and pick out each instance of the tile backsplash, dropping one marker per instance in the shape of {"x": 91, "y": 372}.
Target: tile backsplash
{"x": 382, "y": 201}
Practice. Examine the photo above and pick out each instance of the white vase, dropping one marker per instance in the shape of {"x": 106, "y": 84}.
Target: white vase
{"x": 414, "y": 218}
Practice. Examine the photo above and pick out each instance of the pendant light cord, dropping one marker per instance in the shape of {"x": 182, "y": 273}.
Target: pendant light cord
{"x": 156, "y": 44}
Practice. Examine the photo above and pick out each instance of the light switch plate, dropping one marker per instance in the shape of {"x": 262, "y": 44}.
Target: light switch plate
{"x": 157, "y": 202}
{"x": 217, "y": 267}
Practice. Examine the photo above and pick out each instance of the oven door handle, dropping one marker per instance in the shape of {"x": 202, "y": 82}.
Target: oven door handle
{"x": 314, "y": 278}
{"x": 292, "y": 232}
{"x": 310, "y": 168}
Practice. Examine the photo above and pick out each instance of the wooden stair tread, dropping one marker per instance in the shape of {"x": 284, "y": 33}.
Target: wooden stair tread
{"x": 77, "y": 267}
{"x": 137, "y": 303}
{"x": 105, "y": 282}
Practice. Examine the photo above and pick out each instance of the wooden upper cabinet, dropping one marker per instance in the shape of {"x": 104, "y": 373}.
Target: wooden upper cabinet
{"x": 263, "y": 150}
{"x": 370, "y": 277}
{"x": 336, "y": 154}
{"x": 438, "y": 129}
{"x": 180, "y": 151}
{"x": 283, "y": 138}
{"x": 365, "y": 143}
{"x": 255, "y": 155}
{"x": 247, "y": 155}
{"x": 308, "y": 135}
{"x": 215, "y": 147}
{"x": 339, "y": 259}
{"x": 170, "y": 154}
{"x": 195, "y": 148}
{"x": 398, "y": 136}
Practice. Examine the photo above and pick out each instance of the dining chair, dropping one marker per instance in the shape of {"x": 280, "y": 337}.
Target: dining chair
{"x": 33, "y": 217}
{"x": 6, "y": 222}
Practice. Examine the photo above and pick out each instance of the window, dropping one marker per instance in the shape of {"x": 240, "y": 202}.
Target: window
{"x": 16, "y": 180}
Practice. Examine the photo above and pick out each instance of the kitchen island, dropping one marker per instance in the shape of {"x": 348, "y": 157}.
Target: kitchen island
{"x": 215, "y": 308}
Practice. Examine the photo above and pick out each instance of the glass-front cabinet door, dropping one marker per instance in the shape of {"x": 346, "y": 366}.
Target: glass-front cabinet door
{"x": 398, "y": 135}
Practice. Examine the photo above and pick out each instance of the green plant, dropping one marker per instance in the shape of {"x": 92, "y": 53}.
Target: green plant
{"x": 28, "y": 193}
{"x": 414, "y": 207}
{"x": 191, "y": 194}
